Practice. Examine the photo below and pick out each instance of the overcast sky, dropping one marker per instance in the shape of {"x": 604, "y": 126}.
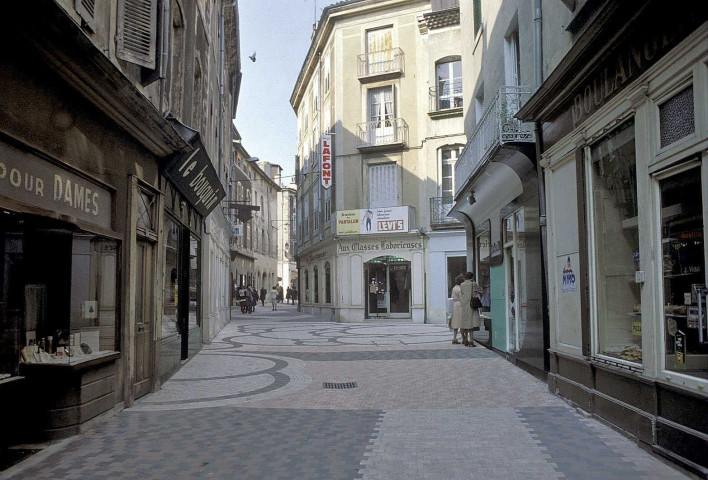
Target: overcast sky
{"x": 279, "y": 32}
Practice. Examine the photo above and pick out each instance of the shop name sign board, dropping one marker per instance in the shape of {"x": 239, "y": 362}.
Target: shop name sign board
{"x": 372, "y": 221}
{"x": 33, "y": 181}
{"x": 379, "y": 246}
{"x": 326, "y": 161}
{"x": 195, "y": 178}
{"x": 633, "y": 57}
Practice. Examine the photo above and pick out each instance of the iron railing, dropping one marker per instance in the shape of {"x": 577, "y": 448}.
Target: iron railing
{"x": 439, "y": 208}
{"x": 391, "y": 131}
{"x": 496, "y": 128}
{"x": 383, "y": 62}
{"x": 446, "y": 96}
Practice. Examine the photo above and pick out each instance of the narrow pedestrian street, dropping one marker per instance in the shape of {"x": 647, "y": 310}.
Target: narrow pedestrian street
{"x": 283, "y": 395}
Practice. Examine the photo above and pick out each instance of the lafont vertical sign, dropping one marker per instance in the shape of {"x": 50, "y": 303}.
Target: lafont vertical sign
{"x": 326, "y": 161}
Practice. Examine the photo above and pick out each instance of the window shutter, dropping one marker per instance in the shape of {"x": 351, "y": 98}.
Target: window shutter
{"x": 137, "y": 31}
{"x": 383, "y": 185}
{"x": 86, "y": 10}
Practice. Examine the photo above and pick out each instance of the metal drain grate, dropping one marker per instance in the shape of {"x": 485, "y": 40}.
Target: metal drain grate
{"x": 339, "y": 386}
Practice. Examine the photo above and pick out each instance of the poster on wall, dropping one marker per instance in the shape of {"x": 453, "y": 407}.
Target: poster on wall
{"x": 568, "y": 282}
{"x": 372, "y": 221}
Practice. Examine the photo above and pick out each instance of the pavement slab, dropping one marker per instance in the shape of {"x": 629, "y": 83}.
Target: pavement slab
{"x": 253, "y": 405}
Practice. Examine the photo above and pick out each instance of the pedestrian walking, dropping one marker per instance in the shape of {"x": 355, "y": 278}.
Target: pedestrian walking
{"x": 280, "y": 293}
{"x": 288, "y": 294}
{"x": 273, "y": 298}
{"x": 242, "y": 298}
{"x": 249, "y": 299}
{"x": 456, "y": 319}
{"x": 264, "y": 292}
{"x": 295, "y": 295}
{"x": 470, "y": 316}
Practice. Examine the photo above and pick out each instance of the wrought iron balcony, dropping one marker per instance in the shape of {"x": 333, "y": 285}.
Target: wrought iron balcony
{"x": 391, "y": 132}
{"x": 384, "y": 63}
{"x": 446, "y": 99}
{"x": 496, "y": 128}
{"x": 439, "y": 208}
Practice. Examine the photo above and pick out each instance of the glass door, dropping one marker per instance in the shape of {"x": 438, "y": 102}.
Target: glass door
{"x": 399, "y": 280}
{"x": 381, "y": 115}
{"x": 515, "y": 260}
{"x": 684, "y": 272}
{"x": 388, "y": 288}
{"x": 377, "y": 288}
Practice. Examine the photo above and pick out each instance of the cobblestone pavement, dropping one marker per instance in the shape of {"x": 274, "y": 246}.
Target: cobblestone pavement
{"x": 252, "y": 405}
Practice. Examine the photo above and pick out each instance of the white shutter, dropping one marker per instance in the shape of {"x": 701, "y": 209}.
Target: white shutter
{"x": 137, "y": 31}
{"x": 383, "y": 185}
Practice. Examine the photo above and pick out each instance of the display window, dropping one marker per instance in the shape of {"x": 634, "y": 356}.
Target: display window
{"x": 171, "y": 281}
{"x": 516, "y": 297}
{"x": 614, "y": 211}
{"x": 58, "y": 303}
{"x": 482, "y": 244}
{"x": 684, "y": 273}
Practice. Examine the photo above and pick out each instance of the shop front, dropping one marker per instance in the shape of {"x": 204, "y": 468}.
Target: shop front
{"x": 626, "y": 171}
{"x": 500, "y": 206}
{"x": 381, "y": 277}
{"x": 191, "y": 190}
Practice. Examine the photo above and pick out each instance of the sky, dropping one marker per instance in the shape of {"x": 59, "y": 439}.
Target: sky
{"x": 279, "y": 32}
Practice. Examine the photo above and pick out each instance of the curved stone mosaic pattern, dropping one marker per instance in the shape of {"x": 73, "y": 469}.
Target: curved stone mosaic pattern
{"x": 252, "y": 406}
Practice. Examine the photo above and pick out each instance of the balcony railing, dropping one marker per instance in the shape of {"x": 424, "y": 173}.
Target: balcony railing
{"x": 439, "y": 208}
{"x": 497, "y": 127}
{"x": 382, "y": 133}
{"x": 445, "y": 97}
{"x": 382, "y": 63}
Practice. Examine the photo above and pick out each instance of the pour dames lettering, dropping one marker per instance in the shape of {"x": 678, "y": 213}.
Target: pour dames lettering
{"x": 64, "y": 190}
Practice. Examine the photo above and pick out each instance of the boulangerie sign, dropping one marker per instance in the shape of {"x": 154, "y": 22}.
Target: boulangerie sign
{"x": 326, "y": 161}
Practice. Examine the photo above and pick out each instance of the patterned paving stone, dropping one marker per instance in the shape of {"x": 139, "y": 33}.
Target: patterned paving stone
{"x": 252, "y": 405}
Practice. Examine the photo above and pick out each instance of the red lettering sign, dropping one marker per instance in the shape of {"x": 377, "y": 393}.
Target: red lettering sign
{"x": 326, "y": 161}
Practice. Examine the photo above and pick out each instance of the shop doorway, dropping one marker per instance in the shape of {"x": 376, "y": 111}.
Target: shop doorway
{"x": 388, "y": 287}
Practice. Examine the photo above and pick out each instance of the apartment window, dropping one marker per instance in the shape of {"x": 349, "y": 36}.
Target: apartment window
{"x": 137, "y": 32}
{"x": 306, "y": 124}
{"x": 479, "y": 104}
{"x": 379, "y": 50}
{"x": 381, "y": 128}
{"x": 477, "y": 7}
{"x": 306, "y": 221}
{"x": 449, "y": 84}
{"x": 512, "y": 66}
{"x": 326, "y": 117}
{"x": 448, "y": 158}
{"x": 316, "y": 208}
{"x": 327, "y": 205}
{"x": 326, "y": 74}
{"x": 383, "y": 185}
{"x": 316, "y": 94}
{"x": 299, "y": 223}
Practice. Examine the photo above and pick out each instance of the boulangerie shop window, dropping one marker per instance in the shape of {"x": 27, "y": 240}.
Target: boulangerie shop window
{"x": 613, "y": 213}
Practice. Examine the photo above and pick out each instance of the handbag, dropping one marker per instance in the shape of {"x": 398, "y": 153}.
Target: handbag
{"x": 475, "y": 302}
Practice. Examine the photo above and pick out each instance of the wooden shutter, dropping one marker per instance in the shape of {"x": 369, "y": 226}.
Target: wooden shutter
{"x": 137, "y": 31}
{"x": 86, "y": 10}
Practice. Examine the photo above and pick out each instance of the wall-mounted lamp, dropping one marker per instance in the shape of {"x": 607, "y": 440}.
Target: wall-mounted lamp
{"x": 470, "y": 198}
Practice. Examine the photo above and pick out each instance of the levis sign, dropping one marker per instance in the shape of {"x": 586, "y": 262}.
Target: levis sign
{"x": 326, "y": 161}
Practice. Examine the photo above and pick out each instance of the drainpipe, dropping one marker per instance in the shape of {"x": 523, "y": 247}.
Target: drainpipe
{"x": 538, "y": 50}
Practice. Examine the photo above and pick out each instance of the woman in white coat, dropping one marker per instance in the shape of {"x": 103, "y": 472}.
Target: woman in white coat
{"x": 273, "y": 298}
{"x": 470, "y": 316}
{"x": 456, "y": 320}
